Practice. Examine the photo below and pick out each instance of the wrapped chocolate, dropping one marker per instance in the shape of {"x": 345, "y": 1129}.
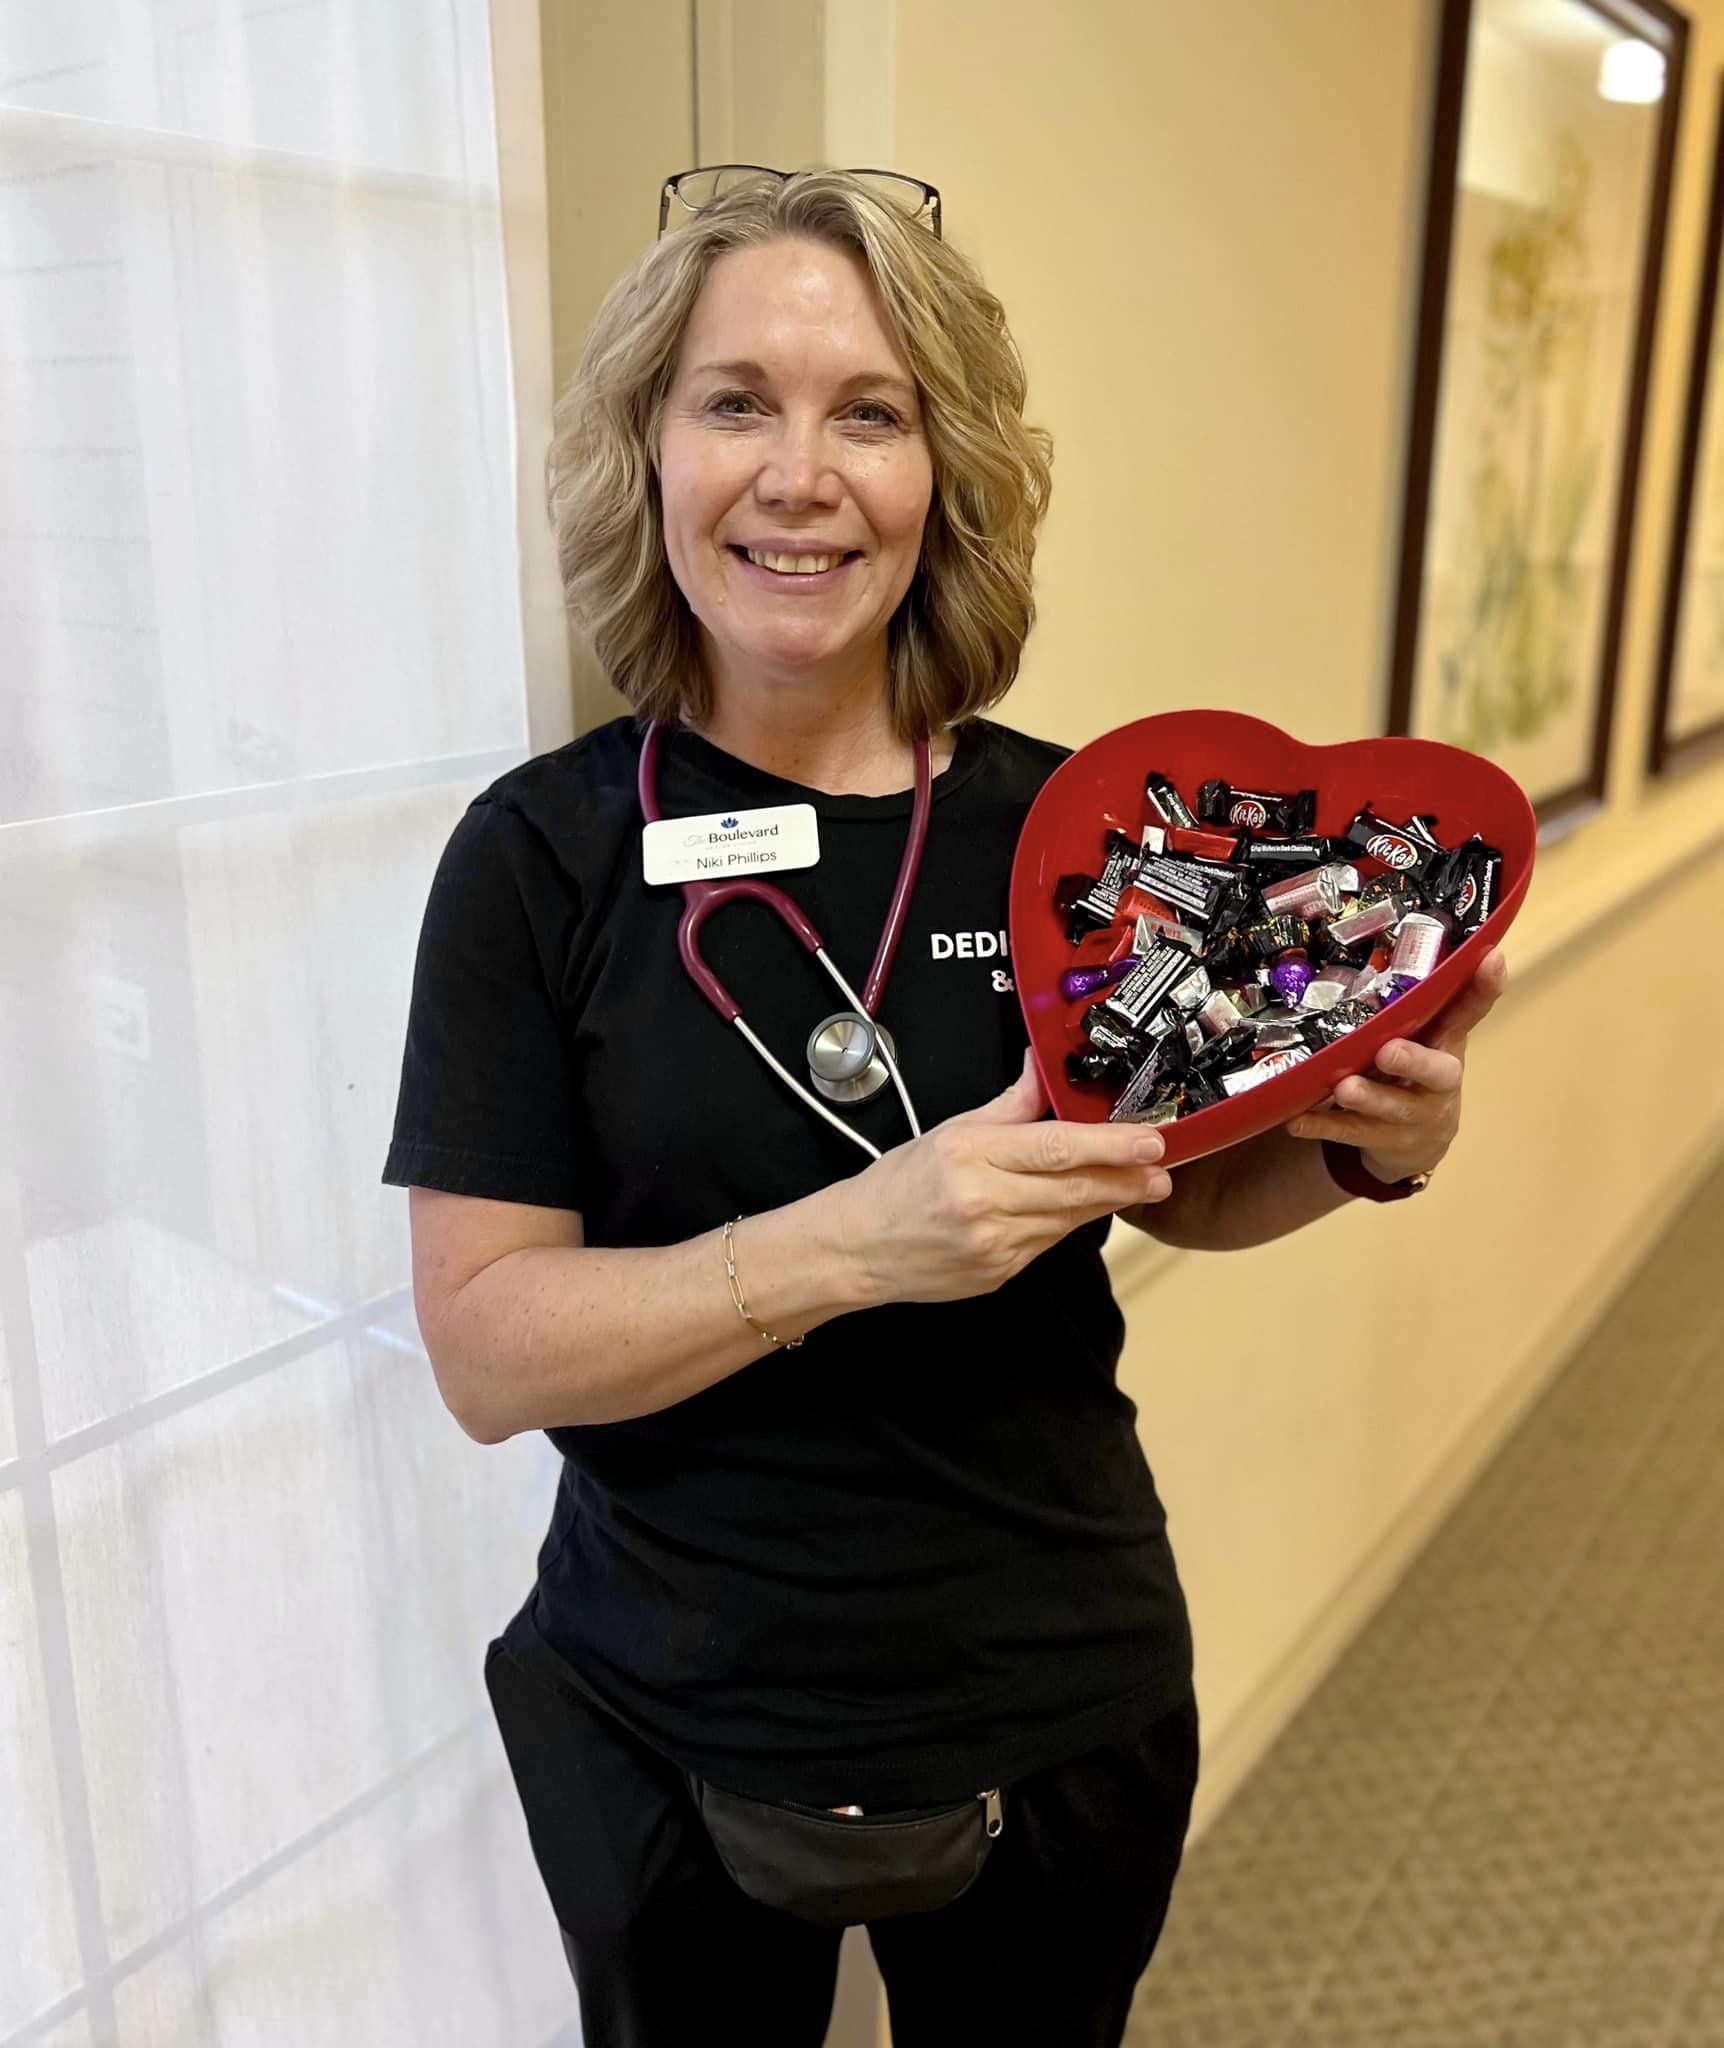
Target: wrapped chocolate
{"x": 1314, "y": 892}
{"x": 1278, "y": 852}
{"x": 1219, "y": 803}
{"x": 1148, "y": 985}
{"x": 1393, "y": 845}
{"x": 1166, "y": 804}
{"x": 1220, "y": 954}
{"x": 1216, "y": 846}
{"x": 1291, "y": 976}
{"x": 1369, "y": 921}
{"x": 1084, "y": 981}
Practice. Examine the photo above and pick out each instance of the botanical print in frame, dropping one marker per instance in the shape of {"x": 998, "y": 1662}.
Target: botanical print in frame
{"x": 1688, "y": 703}
{"x": 1544, "y": 237}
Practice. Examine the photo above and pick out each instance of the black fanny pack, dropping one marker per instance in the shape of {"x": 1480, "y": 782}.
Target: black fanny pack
{"x": 840, "y": 1869}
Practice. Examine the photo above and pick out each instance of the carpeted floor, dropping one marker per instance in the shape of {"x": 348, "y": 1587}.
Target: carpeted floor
{"x": 1499, "y": 1821}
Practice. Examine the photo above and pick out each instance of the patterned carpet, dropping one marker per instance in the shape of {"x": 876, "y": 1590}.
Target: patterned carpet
{"x": 1499, "y": 1821}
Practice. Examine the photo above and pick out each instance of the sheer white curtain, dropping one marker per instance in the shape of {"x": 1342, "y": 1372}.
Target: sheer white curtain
{"x": 260, "y": 640}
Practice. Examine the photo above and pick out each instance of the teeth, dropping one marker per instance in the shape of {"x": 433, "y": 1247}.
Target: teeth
{"x": 794, "y": 565}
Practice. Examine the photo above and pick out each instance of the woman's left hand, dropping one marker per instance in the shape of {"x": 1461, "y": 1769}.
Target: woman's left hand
{"x": 1405, "y": 1124}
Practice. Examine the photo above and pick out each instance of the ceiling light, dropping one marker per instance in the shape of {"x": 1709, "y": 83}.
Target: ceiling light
{"x": 1632, "y": 71}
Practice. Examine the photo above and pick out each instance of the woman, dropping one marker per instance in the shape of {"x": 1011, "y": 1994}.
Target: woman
{"x": 853, "y": 1514}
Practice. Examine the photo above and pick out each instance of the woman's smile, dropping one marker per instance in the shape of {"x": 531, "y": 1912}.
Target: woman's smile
{"x": 801, "y": 575}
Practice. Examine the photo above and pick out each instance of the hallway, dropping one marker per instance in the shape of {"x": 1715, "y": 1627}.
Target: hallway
{"x": 1499, "y": 1822}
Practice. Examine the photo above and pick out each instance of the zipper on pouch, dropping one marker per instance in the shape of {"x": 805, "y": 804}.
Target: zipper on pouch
{"x": 993, "y": 1812}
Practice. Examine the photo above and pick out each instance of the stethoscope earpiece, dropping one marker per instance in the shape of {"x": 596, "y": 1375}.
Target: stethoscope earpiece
{"x": 844, "y": 1061}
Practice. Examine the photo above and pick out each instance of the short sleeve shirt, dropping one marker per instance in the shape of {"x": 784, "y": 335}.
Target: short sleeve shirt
{"x": 923, "y": 1552}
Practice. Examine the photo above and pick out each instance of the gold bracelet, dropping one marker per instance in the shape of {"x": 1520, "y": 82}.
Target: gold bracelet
{"x": 789, "y": 1343}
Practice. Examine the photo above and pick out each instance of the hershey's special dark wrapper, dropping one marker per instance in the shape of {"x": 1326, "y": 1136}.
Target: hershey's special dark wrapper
{"x": 1180, "y": 881}
{"x": 1165, "y": 802}
{"x": 1144, "y": 990}
{"x": 1120, "y": 864}
{"x": 1144, "y": 1083}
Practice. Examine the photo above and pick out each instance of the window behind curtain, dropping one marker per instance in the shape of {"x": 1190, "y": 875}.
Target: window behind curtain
{"x": 260, "y": 641}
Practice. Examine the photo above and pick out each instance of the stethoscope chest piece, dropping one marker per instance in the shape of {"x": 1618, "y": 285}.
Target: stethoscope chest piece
{"x": 844, "y": 1061}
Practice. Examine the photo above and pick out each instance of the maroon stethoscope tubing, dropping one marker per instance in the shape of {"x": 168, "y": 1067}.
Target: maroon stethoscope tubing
{"x": 701, "y": 899}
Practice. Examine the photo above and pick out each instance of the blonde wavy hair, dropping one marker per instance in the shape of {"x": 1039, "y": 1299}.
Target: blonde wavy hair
{"x": 955, "y": 641}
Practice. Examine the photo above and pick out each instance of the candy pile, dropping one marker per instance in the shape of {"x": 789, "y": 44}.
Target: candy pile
{"x": 1234, "y": 943}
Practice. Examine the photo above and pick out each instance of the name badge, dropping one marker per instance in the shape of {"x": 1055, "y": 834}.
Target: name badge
{"x": 724, "y": 843}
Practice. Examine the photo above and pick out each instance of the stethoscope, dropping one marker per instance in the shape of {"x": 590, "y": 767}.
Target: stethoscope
{"x": 850, "y": 1055}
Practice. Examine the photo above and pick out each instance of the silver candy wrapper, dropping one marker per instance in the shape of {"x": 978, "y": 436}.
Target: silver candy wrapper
{"x": 1193, "y": 991}
{"x": 1371, "y": 922}
{"x": 1418, "y": 946}
{"x": 1331, "y": 985}
{"x": 1219, "y": 1014}
{"x": 1318, "y": 893}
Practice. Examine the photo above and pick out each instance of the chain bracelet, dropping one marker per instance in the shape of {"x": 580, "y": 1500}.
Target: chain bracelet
{"x": 788, "y": 1343}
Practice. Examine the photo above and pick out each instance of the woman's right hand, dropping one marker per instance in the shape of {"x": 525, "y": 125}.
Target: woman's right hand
{"x": 963, "y": 1207}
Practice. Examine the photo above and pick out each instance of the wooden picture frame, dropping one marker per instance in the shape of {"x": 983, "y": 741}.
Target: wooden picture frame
{"x": 1690, "y": 667}
{"x": 1544, "y": 245}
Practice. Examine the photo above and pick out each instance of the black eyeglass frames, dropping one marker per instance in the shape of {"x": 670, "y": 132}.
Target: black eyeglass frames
{"x": 691, "y": 190}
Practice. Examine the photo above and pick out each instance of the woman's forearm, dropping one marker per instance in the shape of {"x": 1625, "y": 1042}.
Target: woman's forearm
{"x": 555, "y": 1336}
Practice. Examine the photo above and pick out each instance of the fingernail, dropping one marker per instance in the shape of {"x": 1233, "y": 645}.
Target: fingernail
{"x": 1150, "y": 1146}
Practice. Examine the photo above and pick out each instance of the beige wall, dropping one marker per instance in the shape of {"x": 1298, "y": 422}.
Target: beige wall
{"x": 1205, "y": 225}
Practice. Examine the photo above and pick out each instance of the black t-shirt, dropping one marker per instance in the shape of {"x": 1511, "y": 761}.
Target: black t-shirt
{"x": 921, "y": 1554}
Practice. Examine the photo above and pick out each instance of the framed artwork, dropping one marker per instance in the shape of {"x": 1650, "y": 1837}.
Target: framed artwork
{"x": 1688, "y": 698}
{"x": 1544, "y": 235}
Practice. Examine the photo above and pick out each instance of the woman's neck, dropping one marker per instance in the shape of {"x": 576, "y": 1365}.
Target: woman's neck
{"x": 844, "y": 751}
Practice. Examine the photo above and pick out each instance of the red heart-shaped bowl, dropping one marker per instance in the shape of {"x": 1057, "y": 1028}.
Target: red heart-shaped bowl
{"x": 1395, "y": 777}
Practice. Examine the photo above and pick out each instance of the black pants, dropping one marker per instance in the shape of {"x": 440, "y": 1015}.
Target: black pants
{"x": 667, "y": 1951}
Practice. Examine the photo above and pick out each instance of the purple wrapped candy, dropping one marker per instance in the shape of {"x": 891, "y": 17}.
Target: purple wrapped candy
{"x": 1290, "y": 977}
{"x": 1083, "y": 981}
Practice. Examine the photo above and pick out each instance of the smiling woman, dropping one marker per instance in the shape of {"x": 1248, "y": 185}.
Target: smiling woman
{"x": 855, "y": 1527}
